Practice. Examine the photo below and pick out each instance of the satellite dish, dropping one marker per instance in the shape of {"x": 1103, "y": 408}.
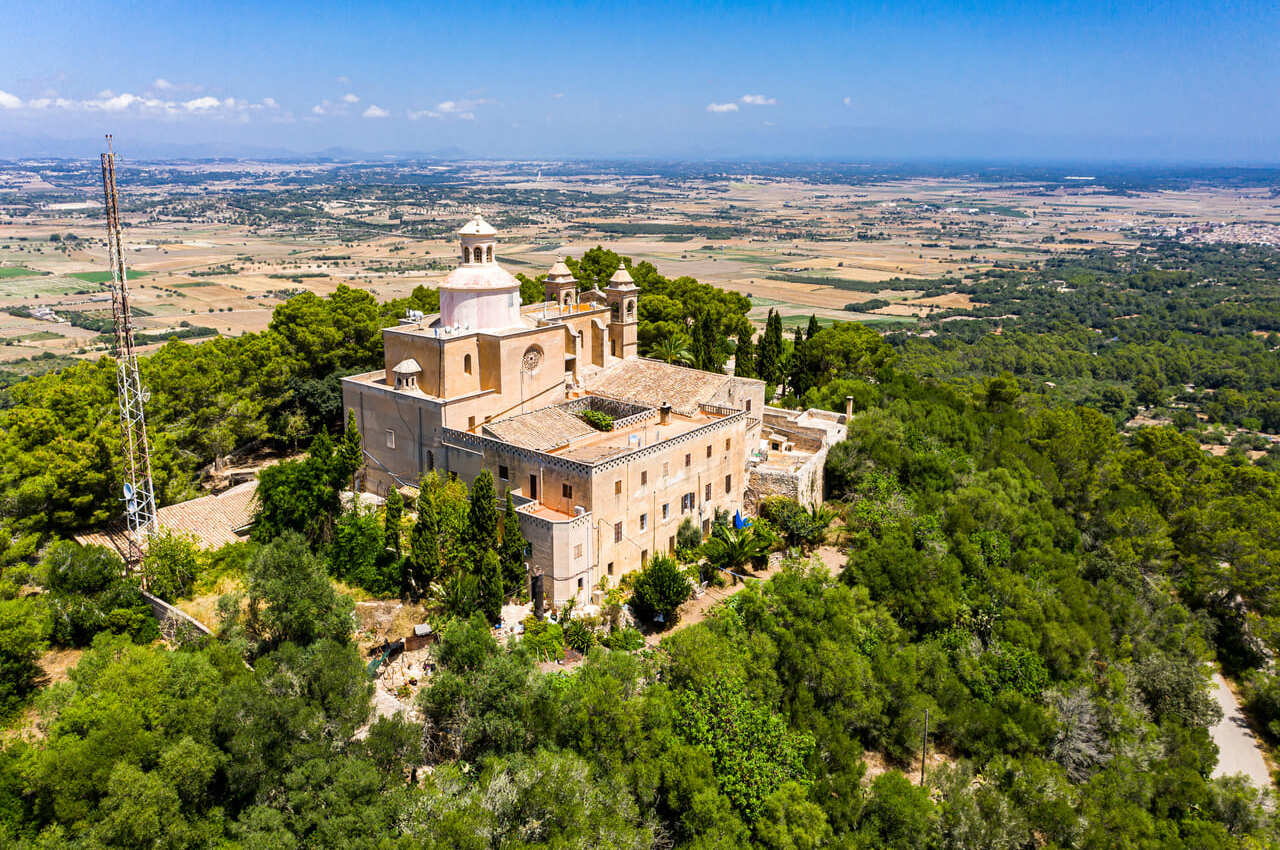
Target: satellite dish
{"x": 128, "y": 491}
{"x": 131, "y": 506}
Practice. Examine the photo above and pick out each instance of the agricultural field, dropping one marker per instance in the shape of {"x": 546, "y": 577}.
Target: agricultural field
{"x": 864, "y": 246}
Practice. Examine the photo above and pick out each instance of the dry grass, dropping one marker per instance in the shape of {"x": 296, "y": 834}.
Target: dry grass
{"x": 204, "y": 607}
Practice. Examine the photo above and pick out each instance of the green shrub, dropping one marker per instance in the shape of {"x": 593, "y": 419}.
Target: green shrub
{"x": 596, "y": 419}
{"x": 687, "y": 535}
{"x": 659, "y": 590}
{"x": 88, "y": 594}
{"x": 171, "y": 565}
{"x": 625, "y": 639}
{"x": 578, "y": 636}
{"x": 545, "y": 641}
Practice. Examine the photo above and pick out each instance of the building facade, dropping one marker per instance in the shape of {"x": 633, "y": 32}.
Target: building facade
{"x": 490, "y": 384}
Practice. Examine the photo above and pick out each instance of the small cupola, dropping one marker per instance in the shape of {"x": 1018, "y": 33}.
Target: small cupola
{"x": 560, "y": 286}
{"x": 477, "y": 238}
{"x": 406, "y": 374}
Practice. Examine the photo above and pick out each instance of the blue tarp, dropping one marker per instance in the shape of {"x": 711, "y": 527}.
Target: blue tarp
{"x": 740, "y": 523}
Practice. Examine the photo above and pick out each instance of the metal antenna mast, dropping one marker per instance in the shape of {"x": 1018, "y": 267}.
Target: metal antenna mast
{"x": 139, "y": 494}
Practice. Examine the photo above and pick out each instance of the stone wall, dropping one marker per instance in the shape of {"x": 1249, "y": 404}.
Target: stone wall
{"x": 173, "y": 621}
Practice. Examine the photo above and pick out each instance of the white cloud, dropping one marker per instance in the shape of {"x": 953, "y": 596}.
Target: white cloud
{"x": 769, "y": 124}
{"x": 200, "y": 104}
{"x": 343, "y": 78}
{"x": 848, "y": 101}
{"x": 722, "y": 107}
{"x": 463, "y": 110}
{"x": 350, "y": 98}
{"x": 161, "y": 84}
{"x": 758, "y": 100}
{"x": 375, "y": 112}
{"x": 146, "y": 105}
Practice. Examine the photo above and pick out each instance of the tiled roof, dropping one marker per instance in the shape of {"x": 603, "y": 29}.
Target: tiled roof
{"x": 540, "y": 430}
{"x": 652, "y": 382}
{"x": 212, "y": 520}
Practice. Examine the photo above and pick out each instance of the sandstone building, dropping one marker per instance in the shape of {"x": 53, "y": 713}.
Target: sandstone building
{"x": 491, "y": 384}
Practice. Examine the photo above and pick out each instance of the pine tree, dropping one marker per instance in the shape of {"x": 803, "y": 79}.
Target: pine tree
{"x": 812, "y": 328}
{"x": 512, "y": 550}
{"x": 483, "y": 516}
{"x": 744, "y": 363}
{"x": 392, "y": 520}
{"x": 491, "y": 595}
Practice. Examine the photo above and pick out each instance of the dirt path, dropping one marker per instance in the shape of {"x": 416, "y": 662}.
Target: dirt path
{"x": 1238, "y": 748}
{"x": 695, "y": 610}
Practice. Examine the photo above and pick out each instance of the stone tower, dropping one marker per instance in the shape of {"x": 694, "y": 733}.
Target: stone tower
{"x": 560, "y": 286}
{"x": 622, "y": 294}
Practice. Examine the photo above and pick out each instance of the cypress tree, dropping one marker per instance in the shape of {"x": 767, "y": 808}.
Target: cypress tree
{"x": 512, "y": 549}
{"x": 423, "y": 565}
{"x": 744, "y": 363}
{"x": 392, "y": 520}
{"x": 491, "y": 596}
{"x": 812, "y": 328}
{"x": 705, "y": 342}
{"x": 483, "y": 516}
{"x": 797, "y": 376}
{"x": 349, "y": 457}
{"x": 769, "y": 365}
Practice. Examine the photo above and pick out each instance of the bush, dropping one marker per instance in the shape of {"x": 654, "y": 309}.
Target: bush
{"x": 659, "y": 590}
{"x": 545, "y": 641}
{"x": 23, "y": 628}
{"x": 625, "y": 639}
{"x": 578, "y": 636}
{"x": 171, "y": 565}
{"x": 88, "y": 594}
{"x": 596, "y": 419}
{"x": 687, "y": 535}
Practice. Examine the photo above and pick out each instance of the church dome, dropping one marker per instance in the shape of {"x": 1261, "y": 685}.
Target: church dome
{"x": 486, "y": 276}
{"x": 479, "y": 294}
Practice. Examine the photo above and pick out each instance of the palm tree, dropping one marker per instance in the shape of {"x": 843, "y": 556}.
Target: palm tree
{"x": 672, "y": 349}
{"x": 730, "y": 548}
{"x": 819, "y": 519}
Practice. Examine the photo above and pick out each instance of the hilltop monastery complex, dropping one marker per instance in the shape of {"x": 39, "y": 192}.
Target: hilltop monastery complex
{"x": 491, "y": 384}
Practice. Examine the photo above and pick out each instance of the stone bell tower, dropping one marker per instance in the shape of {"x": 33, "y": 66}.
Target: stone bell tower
{"x": 622, "y": 295}
{"x": 560, "y": 286}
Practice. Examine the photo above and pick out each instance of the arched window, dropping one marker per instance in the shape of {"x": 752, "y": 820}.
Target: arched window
{"x": 479, "y": 255}
{"x": 466, "y": 363}
{"x": 489, "y": 254}
{"x": 631, "y": 307}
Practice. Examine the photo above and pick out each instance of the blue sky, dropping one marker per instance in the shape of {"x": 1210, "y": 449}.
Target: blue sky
{"x": 1032, "y": 80}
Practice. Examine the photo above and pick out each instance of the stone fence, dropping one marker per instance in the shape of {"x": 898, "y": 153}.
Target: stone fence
{"x": 173, "y": 621}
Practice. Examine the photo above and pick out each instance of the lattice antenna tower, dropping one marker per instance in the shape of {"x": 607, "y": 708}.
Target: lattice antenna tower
{"x": 138, "y": 492}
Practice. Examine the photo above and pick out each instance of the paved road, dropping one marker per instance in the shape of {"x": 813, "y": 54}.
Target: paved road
{"x": 1238, "y": 749}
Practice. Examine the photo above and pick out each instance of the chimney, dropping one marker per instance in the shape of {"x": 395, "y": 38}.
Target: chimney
{"x": 664, "y": 412}
{"x": 848, "y": 407}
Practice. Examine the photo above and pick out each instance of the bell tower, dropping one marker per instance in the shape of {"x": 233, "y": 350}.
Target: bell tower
{"x": 561, "y": 287}
{"x": 622, "y": 295}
